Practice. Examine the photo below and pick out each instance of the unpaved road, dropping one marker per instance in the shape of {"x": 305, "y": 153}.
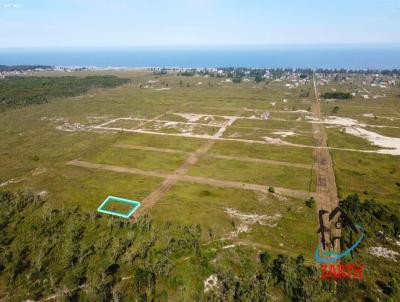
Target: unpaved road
{"x": 246, "y": 186}
{"x": 179, "y": 175}
{"x": 326, "y": 183}
{"x": 172, "y": 179}
{"x": 277, "y": 142}
{"x": 238, "y": 158}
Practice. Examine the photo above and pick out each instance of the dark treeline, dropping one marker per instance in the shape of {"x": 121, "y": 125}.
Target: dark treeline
{"x": 4, "y": 68}
{"x": 21, "y": 91}
{"x": 372, "y": 216}
{"x": 389, "y": 72}
{"x": 382, "y": 228}
{"x": 337, "y": 95}
{"x": 45, "y": 250}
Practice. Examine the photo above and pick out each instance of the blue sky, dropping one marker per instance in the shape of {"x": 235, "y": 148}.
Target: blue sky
{"x": 170, "y": 23}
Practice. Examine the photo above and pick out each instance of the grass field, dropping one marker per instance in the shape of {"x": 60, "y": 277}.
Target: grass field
{"x": 270, "y": 152}
{"x": 268, "y": 175}
{"x": 236, "y": 223}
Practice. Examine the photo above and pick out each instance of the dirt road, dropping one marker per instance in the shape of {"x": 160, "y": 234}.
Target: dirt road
{"x": 172, "y": 179}
{"x": 179, "y": 175}
{"x": 326, "y": 183}
{"x": 238, "y": 158}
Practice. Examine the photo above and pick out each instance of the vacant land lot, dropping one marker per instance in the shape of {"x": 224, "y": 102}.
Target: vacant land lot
{"x": 225, "y": 164}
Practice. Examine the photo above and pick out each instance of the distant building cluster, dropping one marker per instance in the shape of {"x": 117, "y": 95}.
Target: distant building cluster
{"x": 20, "y": 70}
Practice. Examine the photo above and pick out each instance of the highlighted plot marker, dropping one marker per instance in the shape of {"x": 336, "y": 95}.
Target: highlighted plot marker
{"x": 113, "y": 203}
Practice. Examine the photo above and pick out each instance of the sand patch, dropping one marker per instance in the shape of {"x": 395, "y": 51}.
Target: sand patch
{"x": 247, "y": 218}
{"x": 230, "y": 246}
{"x": 93, "y": 119}
{"x": 271, "y": 140}
{"x": 38, "y": 171}
{"x": 190, "y": 117}
{"x": 280, "y": 197}
{"x": 379, "y": 251}
{"x": 301, "y": 111}
{"x": 371, "y": 115}
{"x": 243, "y": 228}
{"x": 211, "y": 283}
{"x": 10, "y": 181}
{"x": 342, "y": 121}
{"x": 73, "y": 127}
{"x": 264, "y": 115}
{"x": 43, "y": 195}
{"x": 311, "y": 118}
{"x": 284, "y": 133}
{"x": 391, "y": 144}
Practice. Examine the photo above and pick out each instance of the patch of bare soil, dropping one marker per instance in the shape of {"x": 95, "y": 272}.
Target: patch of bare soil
{"x": 380, "y": 251}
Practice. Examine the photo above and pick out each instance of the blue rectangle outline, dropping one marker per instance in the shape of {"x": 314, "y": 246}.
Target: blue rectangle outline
{"x": 134, "y": 203}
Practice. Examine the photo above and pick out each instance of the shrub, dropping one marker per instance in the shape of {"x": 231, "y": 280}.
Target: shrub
{"x": 310, "y": 202}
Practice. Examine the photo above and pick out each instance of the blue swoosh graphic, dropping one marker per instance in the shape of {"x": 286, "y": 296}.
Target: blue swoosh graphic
{"x": 346, "y": 252}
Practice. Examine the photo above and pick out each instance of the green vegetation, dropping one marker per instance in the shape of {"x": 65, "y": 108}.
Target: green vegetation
{"x": 87, "y": 254}
{"x": 373, "y": 216}
{"x": 54, "y": 242}
{"x": 335, "y": 109}
{"x": 338, "y": 138}
{"x": 98, "y": 257}
{"x": 337, "y": 95}
{"x": 22, "y": 91}
{"x": 304, "y": 93}
{"x": 370, "y": 175}
{"x": 310, "y": 202}
{"x": 382, "y": 228}
{"x": 80, "y": 255}
{"x": 261, "y": 151}
{"x": 146, "y": 160}
{"x": 235, "y": 170}
{"x": 159, "y": 141}
{"x": 23, "y": 67}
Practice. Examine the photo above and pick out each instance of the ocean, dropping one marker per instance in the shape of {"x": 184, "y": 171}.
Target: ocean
{"x": 329, "y": 58}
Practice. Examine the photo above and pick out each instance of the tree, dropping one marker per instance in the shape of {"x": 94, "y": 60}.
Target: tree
{"x": 258, "y": 78}
{"x": 144, "y": 282}
{"x": 337, "y": 95}
{"x": 310, "y": 202}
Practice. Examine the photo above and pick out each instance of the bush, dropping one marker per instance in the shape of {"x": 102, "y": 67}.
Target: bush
{"x": 23, "y": 91}
{"x": 310, "y": 202}
{"x": 337, "y": 95}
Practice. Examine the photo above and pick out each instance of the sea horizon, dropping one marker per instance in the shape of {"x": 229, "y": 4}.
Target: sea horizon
{"x": 323, "y": 56}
